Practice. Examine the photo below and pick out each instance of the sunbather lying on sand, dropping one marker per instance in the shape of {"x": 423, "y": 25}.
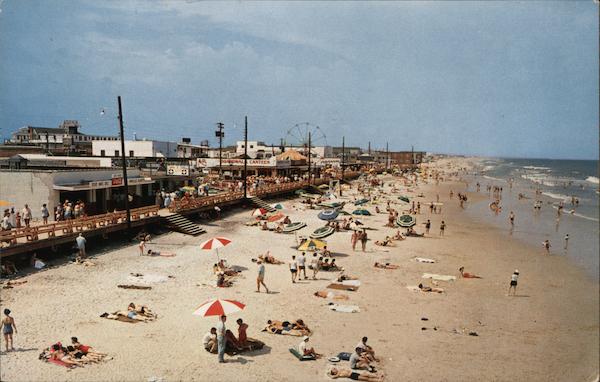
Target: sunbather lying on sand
{"x": 223, "y": 281}
{"x": 60, "y": 353}
{"x": 158, "y": 253}
{"x": 133, "y": 312}
{"x": 296, "y": 328}
{"x": 430, "y": 289}
{"x": 413, "y": 233}
{"x": 467, "y": 275}
{"x": 335, "y": 372}
{"x": 386, "y": 243}
{"x": 386, "y": 266}
{"x": 220, "y": 267}
{"x": 268, "y": 258}
{"x": 331, "y": 295}
{"x": 398, "y": 236}
{"x": 88, "y": 351}
{"x": 343, "y": 277}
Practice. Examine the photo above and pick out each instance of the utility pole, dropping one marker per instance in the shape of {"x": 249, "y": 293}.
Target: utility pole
{"x": 343, "y": 162}
{"x": 124, "y": 163}
{"x": 246, "y": 157}
{"x": 309, "y": 158}
{"x": 220, "y": 134}
{"x": 387, "y": 156}
{"x": 369, "y": 148}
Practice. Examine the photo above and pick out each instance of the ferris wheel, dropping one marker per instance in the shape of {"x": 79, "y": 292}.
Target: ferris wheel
{"x": 298, "y": 134}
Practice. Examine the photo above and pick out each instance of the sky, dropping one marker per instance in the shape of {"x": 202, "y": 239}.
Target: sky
{"x": 504, "y": 78}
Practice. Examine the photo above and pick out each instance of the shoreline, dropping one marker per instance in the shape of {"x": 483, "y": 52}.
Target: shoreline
{"x": 552, "y": 334}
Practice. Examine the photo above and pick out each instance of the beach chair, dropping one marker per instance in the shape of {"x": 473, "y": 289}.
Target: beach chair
{"x": 301, "y": 357}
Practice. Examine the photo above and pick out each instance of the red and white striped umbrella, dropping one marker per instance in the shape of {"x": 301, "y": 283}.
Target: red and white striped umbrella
{"x": 214, "y": 243}
{"x": 259, "y": 212}
{"x": 217, "y": 307}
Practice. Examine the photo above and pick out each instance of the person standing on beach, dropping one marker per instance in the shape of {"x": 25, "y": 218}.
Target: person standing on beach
{"x": 363, "y": 239}
{"x": 354, "y": 240}
{"x": 511, "y": 217}
{"x": 566, "y": 241}
{"x": 81, "y": 245}
{"x": 294, "y": 269}
{"x": 221, "y": 329}
{"x": 513, "y": 282}
{"x": 546, "y": 245}
{"x": 442, "y": 228}
{"x": 260, "y": 278}
{"x": 8, "y": 326}
{"x": 302, "y": 265}
{"x": 427, "y": 226}
{"x": 314, "y": 263}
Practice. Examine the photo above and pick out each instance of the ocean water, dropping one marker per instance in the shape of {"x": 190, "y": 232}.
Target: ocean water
{"x": 554, "y": 181}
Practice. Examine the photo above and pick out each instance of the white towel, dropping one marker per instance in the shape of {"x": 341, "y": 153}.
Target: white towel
{"x": 424, "y": 260}
{"x": 438, "y": 277}
{"x": 344, "y": 308}
{"x": 351, "y": 282}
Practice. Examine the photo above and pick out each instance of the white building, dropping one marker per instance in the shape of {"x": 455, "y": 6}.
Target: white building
{"x": 137, "y": 149}
{"x": 259, "y": 150}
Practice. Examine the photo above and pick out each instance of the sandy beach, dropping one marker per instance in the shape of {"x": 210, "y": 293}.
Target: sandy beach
{"x": 548, "y": 332}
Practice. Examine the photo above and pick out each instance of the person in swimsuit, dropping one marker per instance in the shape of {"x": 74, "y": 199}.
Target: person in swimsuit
{"x": 386, "y": 266}
{"x": 88, "y": 351}
{"x": 242, "y": 336}
{"x": 467, "y": 275}
{"x": 8, "y": 326}
{"x": 513, "y": 282}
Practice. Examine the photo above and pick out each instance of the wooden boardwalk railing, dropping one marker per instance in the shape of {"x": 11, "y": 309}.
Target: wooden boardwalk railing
{"x": 52, "y": 230}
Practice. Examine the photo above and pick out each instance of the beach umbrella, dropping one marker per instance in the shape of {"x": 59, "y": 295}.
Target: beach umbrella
{"x": 328, "y": 215}
{"x": 259, "y": 212}
{"x": 323, "y": 232}
{"x": 277, "y": 206}
{"x": 217, "y": 307}
{"x": 312, "y": 245}
{"x": 274, "y": 218}
{"x": 215, "y": 243}
{"x": 406, "y": 221}
{"x": 404, "y": 198}
{"x": 361, "y": 201}
{"x": 361, "y": 212}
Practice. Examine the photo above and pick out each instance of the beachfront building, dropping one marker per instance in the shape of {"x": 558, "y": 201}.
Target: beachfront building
{"x": 185, "y": 149}
{"x": 406, "y": 159}
{"x": 351, "y": 154}
{"x": 260, "y": 150}
{"x": 135, "y": 149}
{"x": 63, "y": 140}
{"x": 100, "y": 189}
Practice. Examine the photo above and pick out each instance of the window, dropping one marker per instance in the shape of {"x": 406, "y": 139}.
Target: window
{"x": 130, "y": 153}
{"x": 116, "y": 153}
{"x": 102, "y": 153}
{"x": 251, "y": 146}
{"x": 242, "y": 146}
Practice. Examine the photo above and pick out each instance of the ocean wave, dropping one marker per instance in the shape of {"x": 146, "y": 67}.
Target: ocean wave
{"x": 592, "y": 179}
{"x": 536, "y": 168}
{"x": 488, "y": 168}
{"x": 557, "y": 196}
{"x": 573, "y": 213}
{"x": 492, "y": 178}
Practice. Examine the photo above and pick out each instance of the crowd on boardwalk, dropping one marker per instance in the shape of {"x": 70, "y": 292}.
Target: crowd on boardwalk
{"x": 23, "y": 219}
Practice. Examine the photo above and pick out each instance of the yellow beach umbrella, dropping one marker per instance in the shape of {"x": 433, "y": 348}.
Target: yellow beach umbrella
{"x": 312, "y": 245}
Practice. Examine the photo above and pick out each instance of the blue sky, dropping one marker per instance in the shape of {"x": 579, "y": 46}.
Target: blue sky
{"x": 489, "y": 78}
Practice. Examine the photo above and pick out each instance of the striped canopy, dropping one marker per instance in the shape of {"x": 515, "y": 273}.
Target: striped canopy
{"x": 217, "y": 307}
{"x": 259, "y": 212}
{"x": 214, "y": 243}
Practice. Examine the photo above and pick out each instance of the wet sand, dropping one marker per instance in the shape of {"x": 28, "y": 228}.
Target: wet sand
{"x": 549, "y": 332}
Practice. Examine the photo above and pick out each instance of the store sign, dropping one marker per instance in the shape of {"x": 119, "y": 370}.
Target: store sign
{"x": 177, "y": 170}
{"x": 214, "y": 162}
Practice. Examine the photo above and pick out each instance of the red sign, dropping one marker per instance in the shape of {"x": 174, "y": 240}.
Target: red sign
{"x": 117, "y": 181}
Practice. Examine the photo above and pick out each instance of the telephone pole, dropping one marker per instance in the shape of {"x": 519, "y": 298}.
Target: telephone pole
{"x": 343, "y": 162}
{"x": 387, "y": 156}
{"x": 309, "y": 170}
{"x": 124, "y": 163}
{"x": 220, "y": 134}
{"x": 246, "y": 157}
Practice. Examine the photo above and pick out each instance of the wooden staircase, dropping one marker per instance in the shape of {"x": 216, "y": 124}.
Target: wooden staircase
{"x": 184, "y": 225}
{"x": 261, "y": 203}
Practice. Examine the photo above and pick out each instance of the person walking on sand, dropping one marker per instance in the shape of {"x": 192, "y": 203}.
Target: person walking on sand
{"x": 260, "y": 278}
{"x": 546, "y": 245}
{"x": 8, "y": 326}
{"x": 566, "y": 241}
{"x": 511, "y": 217}
{"x": 294, "y": 269}
{"x": 221, "y": 329}
{"x": 513, "y": 282}
{"x": 302, "y": 265}
{"x": 442, "y": 228}
{"x": 363, "y": 239}
{"x": 427, "y": 226}
{"x": 314, "y": 263}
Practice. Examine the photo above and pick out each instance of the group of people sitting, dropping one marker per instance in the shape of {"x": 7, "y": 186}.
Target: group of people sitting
{"x": 363, "y": 358}
{"x": 389, "y": 240}
{"x": 268, "y": 258}
{"x": 233, "y": 345}
{"x": 224, "y": 274}
{"x": 133, "y": 313}
{"x": 72, "y": 355}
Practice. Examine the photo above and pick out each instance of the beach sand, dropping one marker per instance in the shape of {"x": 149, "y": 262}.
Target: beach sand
{"x": 549, "y": 332}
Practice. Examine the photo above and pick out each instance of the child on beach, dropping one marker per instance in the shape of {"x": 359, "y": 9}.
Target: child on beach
{"x": 8, "y": 326}
{"x": 513, "y": 282}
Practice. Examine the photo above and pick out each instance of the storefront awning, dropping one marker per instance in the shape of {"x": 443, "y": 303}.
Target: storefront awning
{"x": 99, "y": 184}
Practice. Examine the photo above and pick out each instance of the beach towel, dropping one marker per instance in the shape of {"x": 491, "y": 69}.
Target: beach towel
{"x": 438, "y": 277}
{"x": 344, "y": 308}
{"x": 60, "y": 363}
{"x": 355, "y": 283}
{"x": 415, "y": 288}
{"x": 301, "y": 357}
{"x": 134, "y": 287}
{"x": 147, "y": 279}
{"x": 424, "y": 260}
{"x": 342, "y": 287}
